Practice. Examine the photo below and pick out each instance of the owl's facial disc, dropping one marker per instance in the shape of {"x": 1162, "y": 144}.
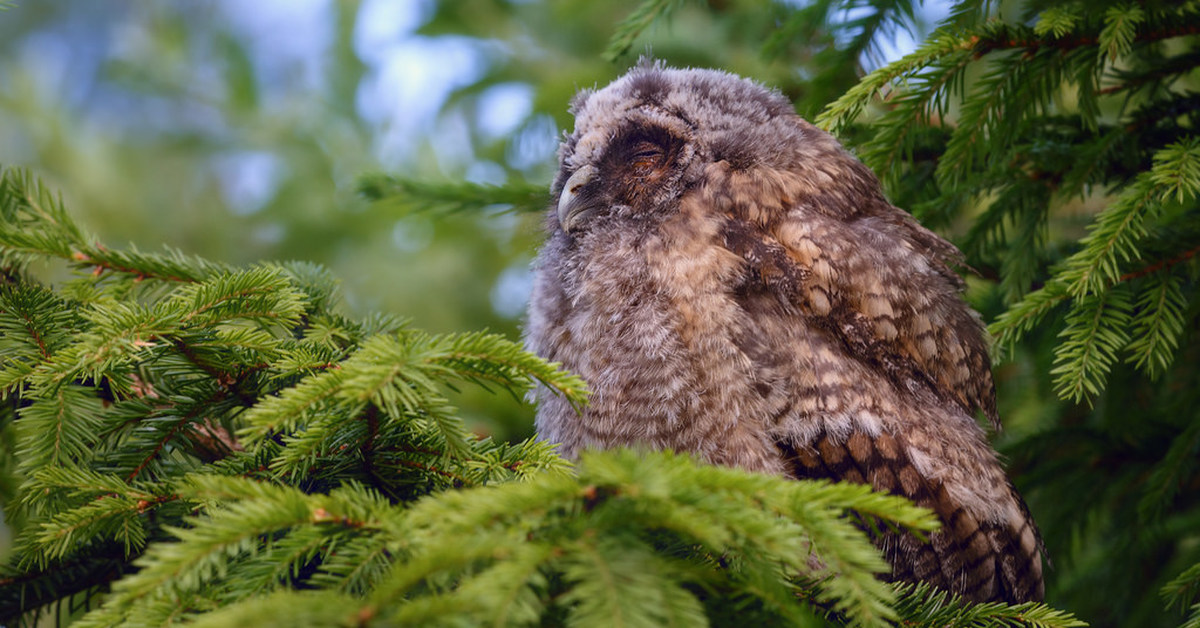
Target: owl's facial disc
{"x": 634, "y": 174}
{"x": 573, "y": 203}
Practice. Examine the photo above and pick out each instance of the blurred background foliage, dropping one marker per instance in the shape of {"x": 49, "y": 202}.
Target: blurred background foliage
{"x": 236, "y": 130}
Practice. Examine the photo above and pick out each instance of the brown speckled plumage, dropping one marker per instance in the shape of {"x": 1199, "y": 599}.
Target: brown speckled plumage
{"x": 732, "y": 283}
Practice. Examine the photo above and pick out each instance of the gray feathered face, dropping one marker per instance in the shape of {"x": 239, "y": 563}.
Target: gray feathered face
{"x": 646, "y": 139}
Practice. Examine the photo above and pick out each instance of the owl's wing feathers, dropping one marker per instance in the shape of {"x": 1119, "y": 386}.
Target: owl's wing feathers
{"x": 875, "y": 278}
{"x": 881, "y": 288}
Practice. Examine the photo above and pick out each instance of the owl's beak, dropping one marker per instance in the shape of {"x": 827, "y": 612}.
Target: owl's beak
{"x": 572, "y": 207}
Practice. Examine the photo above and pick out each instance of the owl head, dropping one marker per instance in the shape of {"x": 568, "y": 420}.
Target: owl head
{"x": 648, "y": 138}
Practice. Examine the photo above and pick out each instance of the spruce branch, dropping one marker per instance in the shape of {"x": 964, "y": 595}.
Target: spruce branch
{"x": 921, "y": 605}
{"x": 1157, "y": 325}
{"x": 287, "y": 410}
{"x": 1184, "y": 590}
{"x": 1118, "y": 34}
{"x": 622, "y": 489}
{"x": 171, "y": 266}
{"x": 1011, "y": 326}
{"x": 632, "y": 26}
{"x": 262, "y": 294}
{"x": 940, "y": 44}
{"x": 121, "y": 392}
{"x": 1113, "y": 237}
{"x": 1096, "y": 330}
{"x": 925, "y": 97}
{"x": 1028, "y": 313}
{"x": 76, "y": 510}
{"x": 1169, "y": 477}
{"x": 1120, "y": 28}
{"x": 1160, "y": 265}
{"x": 951, "y": 46}
{"x": 59, "y": 428}
{"x": 287, "y": 609}
{"x": 232, "y": 532}
{"x": 20, "y": 306}
{"x": 399, "y": 375}
{"x": 178, "y": 424}
{"x": 445, "y": 198}
{"x": 34, "y": 324}
{"x": 25, "y": 593}
{"x": 34, "y": 222}
{"x": 1058, "y": 21}
{"x": 34, "y": 219}
{"x": 1160, "y": 73}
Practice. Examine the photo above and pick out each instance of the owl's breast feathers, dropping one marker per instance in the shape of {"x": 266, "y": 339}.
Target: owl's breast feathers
{"x": 766, "y": 335}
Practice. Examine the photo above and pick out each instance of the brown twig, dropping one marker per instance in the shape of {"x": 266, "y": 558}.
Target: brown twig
{"x": 179, "y": 425}
{"x": 1159, "y": 265}
{"x": 983, "y": 46}
{"x": 102, "y": 265}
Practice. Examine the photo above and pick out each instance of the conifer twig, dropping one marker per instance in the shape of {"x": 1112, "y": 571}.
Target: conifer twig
{"x": 1159, "y": 265}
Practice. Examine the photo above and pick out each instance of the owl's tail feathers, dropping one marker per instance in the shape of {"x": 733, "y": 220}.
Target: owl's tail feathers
{"x": 982, "y": 561}
{"x": 1018, "y": 544}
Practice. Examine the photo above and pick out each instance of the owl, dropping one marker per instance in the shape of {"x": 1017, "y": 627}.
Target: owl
{"x": 731, "y": 282}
